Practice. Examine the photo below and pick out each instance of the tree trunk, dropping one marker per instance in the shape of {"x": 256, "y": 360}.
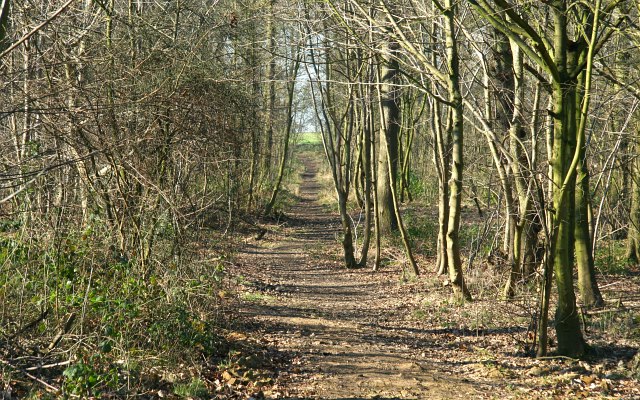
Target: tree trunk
{"x": 442, "y": 162}
{"x": 365, "y": 148}
{"x": 287, "y": 135}
{"x": 396, "y": 210}
{"x": 255, "y": 142}
{"x": 570, "y": 340}
{"x": 533, "y": 251}
{"x": 5, "y": 7}
{"x": 518, "y": 166}
{"x": 347, "y": 234}
{"x": 460, "y": 290}
{"x": 589, "y": 291}
{"x": 271, "y": 92}
{"x": 633, "y": 237}
{"x": 388, "y": 151}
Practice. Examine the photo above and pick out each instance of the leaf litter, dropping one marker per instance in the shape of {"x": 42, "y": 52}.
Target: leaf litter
{"x": 321, "y": 331}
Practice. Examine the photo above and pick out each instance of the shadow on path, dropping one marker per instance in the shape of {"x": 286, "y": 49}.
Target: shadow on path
{"x": 333, "y": 319}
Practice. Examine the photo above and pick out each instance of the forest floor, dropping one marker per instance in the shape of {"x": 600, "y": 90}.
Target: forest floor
{"x": 317, "y": 330}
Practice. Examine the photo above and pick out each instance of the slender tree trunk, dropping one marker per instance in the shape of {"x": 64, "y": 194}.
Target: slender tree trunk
{"x": 589, "y": 291}
{"x": 5, "y": 7}
{"x": 372, "y": 168}
{"x": 347, "y": 234}
{"x": 532, "y": 253}
{"x": 365, "y": 148}
{"x": 396, "y": 207}
{"x": 376, "y": 208}
{"x": 442, "y": 162}
{"x": 547, "y": 262}
{"x": 287, "y": 135}
{"x": 271, "y": 91}
{"x": 255, "y": 146}
{"x": 411, "y": 121}
{"x": 455, "y": 187}
{"x": 633, "y": 237}
{"x": 518, "y": 166}
{"x": 388, "y": 152}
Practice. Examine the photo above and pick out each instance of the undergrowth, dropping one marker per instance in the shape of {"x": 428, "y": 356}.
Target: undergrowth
{"x": 99, "y": 323}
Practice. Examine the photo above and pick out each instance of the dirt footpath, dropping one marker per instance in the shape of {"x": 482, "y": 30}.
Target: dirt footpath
{"x": 332, "y": 333}
{"x": 344, "y": 327}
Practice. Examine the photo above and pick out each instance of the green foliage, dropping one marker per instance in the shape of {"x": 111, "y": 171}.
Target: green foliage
{"x": 617, "y": 323}
{"x": 89, "y": 378}
{"x": 423, "y": 188}
{"x": 419, "y": 188}
{"x": 610, "y": 257}
{"x": 10, "y": 225}
{"x": 473, "y": 236}
{"x": 419, "y": 314}
{"x": 422, "y": 230}
{"x": 309, "y": 139}
{"x": 194, "y": 389}
{"x": 468, "y": 234}
{"x": 164, "y": 314}
{"x": 13, "y": 251}
{"x": 177, "y": 326}
{"x": 256, "y": 297}
{"x": 284, "y": 201}
{"x": 425, "y": 231}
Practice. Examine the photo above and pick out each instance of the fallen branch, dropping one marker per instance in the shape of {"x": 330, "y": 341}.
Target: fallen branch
{"x": 31, "y": 324}
{"x": 47, "y": 386}
{"x": 58, "y": 364}
{"x": 607, "y": 310}
{"x": 61, "y": 332}
{"x": 557, "y": 358}
{"x": 610, "y": 284}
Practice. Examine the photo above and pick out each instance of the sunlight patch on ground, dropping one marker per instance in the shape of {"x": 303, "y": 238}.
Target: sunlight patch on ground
{"x": 309, "y": 138}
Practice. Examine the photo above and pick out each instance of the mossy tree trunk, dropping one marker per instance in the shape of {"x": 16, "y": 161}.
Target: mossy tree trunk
{"x": 587, "y": 284}
{"x": 564, "y": 60}
{"x": 442, "y": 161}
{"x": 633, "y": 237}
{"x": 457, "y": 134}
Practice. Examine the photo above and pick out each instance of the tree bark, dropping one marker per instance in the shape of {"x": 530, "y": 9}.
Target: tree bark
{"x": 365, "y": 149}
{"x": 5, "y": 6}
{"x": 388, "y": 152}
{"x": 570, "y": 340}
{"x": 587, "y": 284}
{"x": 633, "y": 237}
{"x": 287, "y": 135}
{"x": 460, "y": 290}
{"x": 271, "y": 91}
{"x": 442, "y": 162}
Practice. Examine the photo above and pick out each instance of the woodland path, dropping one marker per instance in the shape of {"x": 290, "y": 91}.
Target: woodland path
{"x": 346, "y": 331}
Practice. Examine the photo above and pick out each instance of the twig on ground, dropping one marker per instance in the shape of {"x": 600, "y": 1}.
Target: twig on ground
{"x": 61, "y": 332}
{"x": 31, "y": 324}
{"x": 49, "y": 387}
{"x": 58, "y": 364}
